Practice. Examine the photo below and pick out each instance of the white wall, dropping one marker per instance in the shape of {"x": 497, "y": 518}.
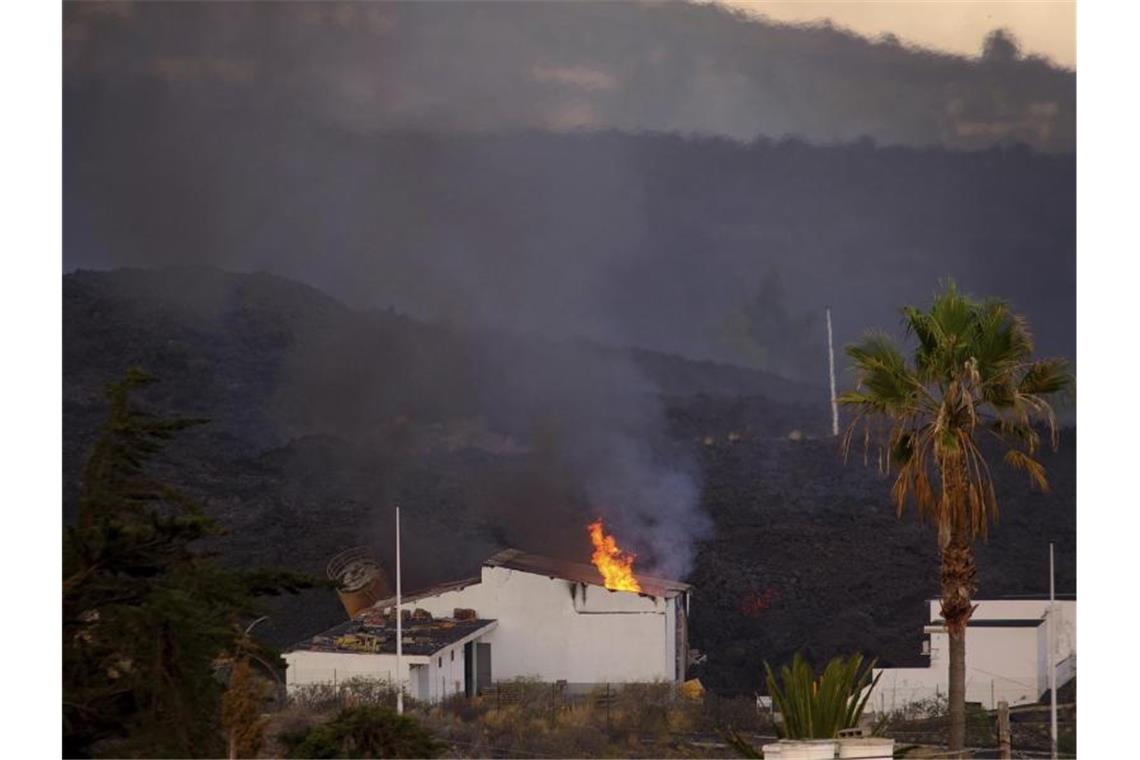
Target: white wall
{"x": 445, "y": 674}
{"x": 1001, "y": 663}
{"x": 306, "y": 667}
{"x": 547, "y": 631}
{"x": 1008, "y": 664}
{"x": 442, "y": 674}
{"x": 1026, "y": 609}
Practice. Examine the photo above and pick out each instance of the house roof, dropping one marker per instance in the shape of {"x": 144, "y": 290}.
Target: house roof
{"x": 998, "y": 623}
{"x": 515, "y": 559}
{"x": 579, "y": 572}
{"x": 374, "y": 632}
{"x": 423, "y": 593}
{"x": 1061, "y": 596}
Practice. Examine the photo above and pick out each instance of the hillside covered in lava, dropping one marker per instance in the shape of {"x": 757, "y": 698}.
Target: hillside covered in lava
{"x": 322, "y": 417}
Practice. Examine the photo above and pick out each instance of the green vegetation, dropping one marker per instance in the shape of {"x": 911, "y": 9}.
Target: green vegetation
{"x": 972, "y": 374}
{"x": 364, "y": 731}
{"x": 818, "y": 708}
{"x": 146, "y": 615}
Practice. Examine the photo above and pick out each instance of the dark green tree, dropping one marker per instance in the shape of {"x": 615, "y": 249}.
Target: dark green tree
{"x": 146, "y": 612}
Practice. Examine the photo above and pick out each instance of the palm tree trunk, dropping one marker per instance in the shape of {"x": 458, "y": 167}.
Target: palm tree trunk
{"x": 956, "y": 714}
{"x": 958, "y": 570}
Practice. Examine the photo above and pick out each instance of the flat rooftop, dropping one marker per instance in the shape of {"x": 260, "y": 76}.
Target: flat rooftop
{"x": 373, "y": 632}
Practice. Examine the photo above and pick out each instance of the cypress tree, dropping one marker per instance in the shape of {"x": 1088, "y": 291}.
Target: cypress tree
{"x": 146, "y": 611}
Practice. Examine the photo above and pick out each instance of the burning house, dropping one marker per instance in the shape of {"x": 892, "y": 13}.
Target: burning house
{"x": 525, "y": 615}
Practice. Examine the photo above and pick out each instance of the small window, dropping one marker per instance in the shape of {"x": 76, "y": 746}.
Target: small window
{"x": 441, "y": 662}
{"x": 453, "y": 655}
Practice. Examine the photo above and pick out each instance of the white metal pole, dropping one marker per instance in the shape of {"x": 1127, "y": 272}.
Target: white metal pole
{"x": 1052, "y": 659}
{"x": 831, "y": 375}
{"x": 399, "y": 627}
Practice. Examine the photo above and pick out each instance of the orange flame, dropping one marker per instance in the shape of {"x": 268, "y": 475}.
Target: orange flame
{"x": 615, "y": 565}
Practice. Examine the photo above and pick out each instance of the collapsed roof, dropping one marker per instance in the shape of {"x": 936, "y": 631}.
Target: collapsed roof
{"x": 374, "y": 632}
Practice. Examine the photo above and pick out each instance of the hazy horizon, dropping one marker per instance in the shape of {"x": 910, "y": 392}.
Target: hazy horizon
{"x": 1042, "y": 27}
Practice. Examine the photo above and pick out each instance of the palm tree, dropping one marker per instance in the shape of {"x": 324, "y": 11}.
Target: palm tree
{"x": 972, "y": 377}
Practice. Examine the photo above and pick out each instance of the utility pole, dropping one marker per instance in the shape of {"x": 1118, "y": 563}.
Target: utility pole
{"x": 1052, "y": 659}
{"x": 399, "y": 627}
{"x": 831, "y": 374}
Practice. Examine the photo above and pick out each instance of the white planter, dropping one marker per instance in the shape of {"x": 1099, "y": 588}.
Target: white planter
{"x": 868, "y": 748}
{"x": 808, "y": 749}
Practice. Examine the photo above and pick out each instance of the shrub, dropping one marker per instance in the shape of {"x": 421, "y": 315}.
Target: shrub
{"x": 741, "y": 713}
{"x": 364, "y": 731}
{"x": 242, "y": 705}
{"x": 349, "y": 693}
{"x": 463, "y": 708}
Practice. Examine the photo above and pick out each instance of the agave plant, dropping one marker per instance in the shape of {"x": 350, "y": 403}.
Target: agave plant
{"x": 819, "y": 708}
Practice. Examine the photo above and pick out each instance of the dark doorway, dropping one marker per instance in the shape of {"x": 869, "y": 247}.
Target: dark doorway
{"x": 482, "y": 666}
{"x": 476, "y": 668}
{"x": 468, "y": 674}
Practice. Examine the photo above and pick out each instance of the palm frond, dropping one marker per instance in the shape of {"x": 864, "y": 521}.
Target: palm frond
{"x": 972, "y": 371}
{"x": 1045, "y": 377}
{"x": 820, "y": 707}
{"x": 885, "y": 382}
{"x": 1019, "y": 460}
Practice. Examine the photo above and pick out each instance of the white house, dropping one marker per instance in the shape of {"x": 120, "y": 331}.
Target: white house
{"x": 434, "y": 665}
{"x": 1007, "y": 645}
{"x": 525, "y": 616}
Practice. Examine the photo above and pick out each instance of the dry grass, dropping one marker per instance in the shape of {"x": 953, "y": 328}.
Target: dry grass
{"x": 641, "y": 720}
{"x": 534, "y": 719}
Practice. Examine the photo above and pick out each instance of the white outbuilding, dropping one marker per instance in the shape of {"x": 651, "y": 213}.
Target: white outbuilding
{"x": 1007, "y": 655}
{"x": 524, "y": 616}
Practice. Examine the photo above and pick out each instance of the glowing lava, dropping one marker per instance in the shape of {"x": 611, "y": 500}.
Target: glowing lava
{"x": 615, "y": 565}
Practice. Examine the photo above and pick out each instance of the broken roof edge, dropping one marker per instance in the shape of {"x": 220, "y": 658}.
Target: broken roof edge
{"x": 475, "y": 629}
{"x": 423, "y": 593}
{"x": 579, "y": 572}
{"x": 537, "y": 564}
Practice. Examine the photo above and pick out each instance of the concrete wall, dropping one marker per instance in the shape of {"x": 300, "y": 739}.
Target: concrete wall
{"x": 429, "y": 679}
{"x": 1001, "y": 663}
{"x": 337, "y": 667}
{"x": 1026, "y": 609}
{"x": 553, "y": 629}
{"x": 1008, "y": 664}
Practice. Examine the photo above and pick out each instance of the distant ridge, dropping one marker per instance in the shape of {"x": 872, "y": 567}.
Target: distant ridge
{"x": 486, "y": 67}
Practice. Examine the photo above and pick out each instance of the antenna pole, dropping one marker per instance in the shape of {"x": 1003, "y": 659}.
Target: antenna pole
{"x": 399, "y": 627}
{"x": 831, "y": 375}
{"x": 1052, "y": 659}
